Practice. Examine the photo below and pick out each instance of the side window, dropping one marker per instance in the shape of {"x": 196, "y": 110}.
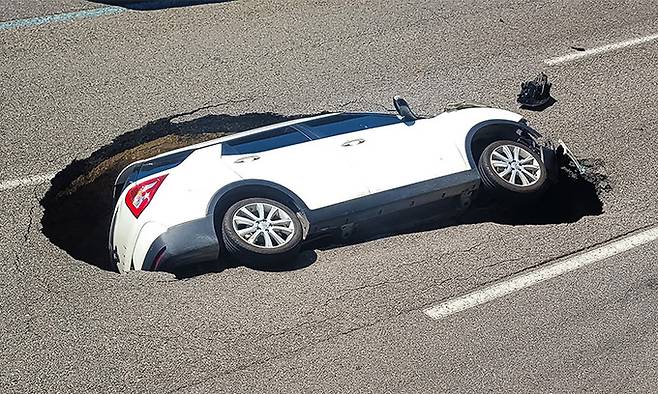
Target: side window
{"x": 266, "y": 140}
{"x": 347, "y": 123}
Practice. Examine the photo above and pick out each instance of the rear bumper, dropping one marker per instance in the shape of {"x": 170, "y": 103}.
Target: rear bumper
{"x": 186, "y": 243}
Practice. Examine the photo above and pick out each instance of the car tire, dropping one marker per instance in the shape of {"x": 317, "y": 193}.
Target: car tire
{"x": 256, "y": 236}
{"x": 511, "y": 171}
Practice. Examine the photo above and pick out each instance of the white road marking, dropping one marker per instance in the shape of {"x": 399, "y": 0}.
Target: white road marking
{"x": 68, "y": 16}
{"x": 501, "y": 289}
{"x": 91, "y": 13}
{"x": 28, "y": 181}
{"x": 601, "y": 49}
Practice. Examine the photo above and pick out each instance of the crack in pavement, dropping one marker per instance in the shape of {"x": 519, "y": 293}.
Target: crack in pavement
{"x": 451, "y": 252}
{"x": 17, "y": 261}
{"x": 357, "y": 289}
{"x": 266, "y": 360}
{"x": 26, "y": 234}
{"x": 174, "y": 118}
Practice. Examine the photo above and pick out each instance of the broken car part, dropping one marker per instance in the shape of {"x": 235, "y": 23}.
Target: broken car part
{"x": 535, "y": 93}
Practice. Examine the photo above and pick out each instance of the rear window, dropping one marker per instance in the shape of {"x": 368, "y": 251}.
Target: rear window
{"x": 266, "y": 140}
{"x": 346, "y": 123}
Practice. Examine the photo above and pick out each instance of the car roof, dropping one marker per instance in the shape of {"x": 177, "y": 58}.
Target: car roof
{"x": 260, "y": 130}
{"x": 274, "y": 126}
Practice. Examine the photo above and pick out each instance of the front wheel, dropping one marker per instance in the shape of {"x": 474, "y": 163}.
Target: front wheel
{"x": 261, "y": 231}
{"x": 511, "y": 170}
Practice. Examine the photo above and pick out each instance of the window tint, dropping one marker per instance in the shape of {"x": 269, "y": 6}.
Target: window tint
{"x": 347, "y": 123}
{"x": 267, "y": 140}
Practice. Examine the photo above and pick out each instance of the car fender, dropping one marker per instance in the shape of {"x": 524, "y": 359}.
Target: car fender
{"x": 249, "y": 185}
{"x": 465, "y": 124}
{"x": 477, "y": 120}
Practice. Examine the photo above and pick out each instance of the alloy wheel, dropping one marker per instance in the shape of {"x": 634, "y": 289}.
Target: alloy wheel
{"x": 515, "y": 165}
{"x": 263, "y": 225}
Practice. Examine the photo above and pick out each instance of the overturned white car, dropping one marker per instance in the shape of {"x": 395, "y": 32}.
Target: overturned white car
{"x": 260, "y": 193}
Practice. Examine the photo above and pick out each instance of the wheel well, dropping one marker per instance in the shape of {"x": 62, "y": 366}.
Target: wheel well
{"x": 491, "y": 133}
{"x": 250, "y": 191}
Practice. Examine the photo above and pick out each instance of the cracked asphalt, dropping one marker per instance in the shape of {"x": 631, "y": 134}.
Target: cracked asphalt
{"x": 351, "y": 319}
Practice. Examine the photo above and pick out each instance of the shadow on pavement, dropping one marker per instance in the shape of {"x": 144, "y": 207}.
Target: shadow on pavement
{"x": 78, "y": 206}
{"x": 548, "y": 104}
{"x": 149, "y": 5}
{"x": 572, "y": 198}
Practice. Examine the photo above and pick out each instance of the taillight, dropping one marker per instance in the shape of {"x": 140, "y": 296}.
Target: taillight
{"x": 140, "y": 195}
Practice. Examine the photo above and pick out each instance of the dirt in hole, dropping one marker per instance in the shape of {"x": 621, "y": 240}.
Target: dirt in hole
{"x": 78, "y": 206}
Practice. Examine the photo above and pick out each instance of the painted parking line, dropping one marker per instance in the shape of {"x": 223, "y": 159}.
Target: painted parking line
{"x": 96, "y": 12}
{"x": 602, "y": 49}
{"x": 42, "y": 20}
{"x": 27, "y": 181}
{"x": 501, "y": 289}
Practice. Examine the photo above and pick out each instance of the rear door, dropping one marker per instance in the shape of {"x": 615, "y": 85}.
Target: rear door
{"x": 317, "y": 171}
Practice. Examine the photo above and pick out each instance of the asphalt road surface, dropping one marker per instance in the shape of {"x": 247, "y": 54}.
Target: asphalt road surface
{"x": 350, "y": 318}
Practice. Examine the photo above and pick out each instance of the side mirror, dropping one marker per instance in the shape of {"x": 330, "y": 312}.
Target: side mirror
{"x": 403, "y": 109}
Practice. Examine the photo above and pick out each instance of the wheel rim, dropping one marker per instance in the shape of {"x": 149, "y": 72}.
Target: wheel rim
{"x": 515, "y": 165}
{"x": 263, "y": 225}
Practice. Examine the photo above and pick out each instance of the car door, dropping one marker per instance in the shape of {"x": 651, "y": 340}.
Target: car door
{"x": 402, "y": 154}
{"x": 317, "y": 170}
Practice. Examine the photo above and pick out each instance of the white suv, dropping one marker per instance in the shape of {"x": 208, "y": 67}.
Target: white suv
{"x": 260, "y": 193}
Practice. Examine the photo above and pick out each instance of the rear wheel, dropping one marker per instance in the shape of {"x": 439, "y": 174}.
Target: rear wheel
{"x": 261, "y": 231}
{"x": 512, "y": 171}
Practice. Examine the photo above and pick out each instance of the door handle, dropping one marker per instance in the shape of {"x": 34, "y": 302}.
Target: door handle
{"x": 357, "y": 141}
{"x": 247, "y": 159}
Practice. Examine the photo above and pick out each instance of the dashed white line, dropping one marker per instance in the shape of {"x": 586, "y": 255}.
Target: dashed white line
{"x": 27, "y": 181}
{"x": 501, "y": 289}
{"x": 601, "y": 49}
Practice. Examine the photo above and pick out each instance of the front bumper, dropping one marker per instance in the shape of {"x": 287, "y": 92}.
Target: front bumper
{"x": 186, "y": 243}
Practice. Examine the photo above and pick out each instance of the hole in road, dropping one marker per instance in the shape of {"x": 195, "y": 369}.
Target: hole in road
{"x": 78, "y": 206}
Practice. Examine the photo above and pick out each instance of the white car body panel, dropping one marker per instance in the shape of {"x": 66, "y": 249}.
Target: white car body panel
{"x": 319, "y": 166}
{"x": 459, "y": 123}
{"x": 321, "y": 172}
{"x": 401, "y": 155}
{"x": 148, "y": 233}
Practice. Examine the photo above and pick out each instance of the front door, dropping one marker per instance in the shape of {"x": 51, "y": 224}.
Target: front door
{"x": 403, "y": 154}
